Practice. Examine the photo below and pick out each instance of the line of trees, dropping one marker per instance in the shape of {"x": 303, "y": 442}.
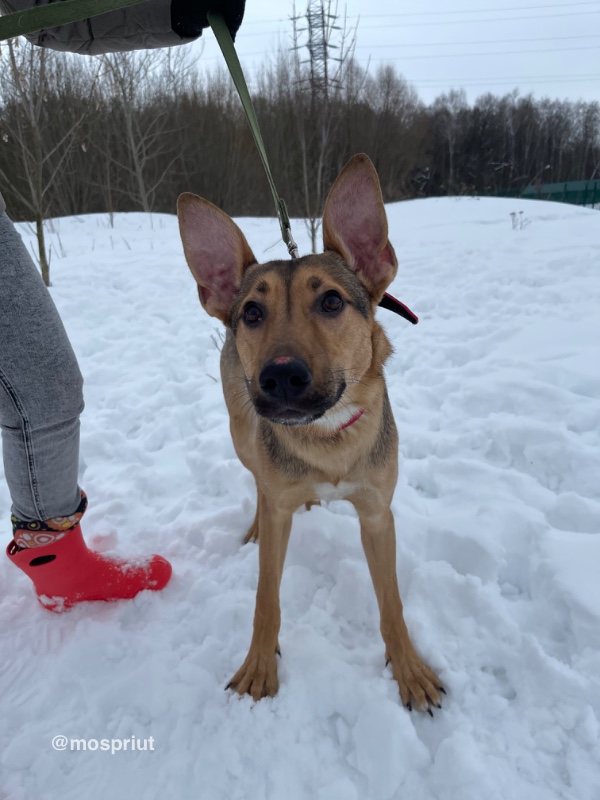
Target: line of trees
{"x": 131, "y": 131}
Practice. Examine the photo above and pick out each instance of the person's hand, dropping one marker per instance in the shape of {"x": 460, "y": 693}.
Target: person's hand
{"x": 189, "y": 17}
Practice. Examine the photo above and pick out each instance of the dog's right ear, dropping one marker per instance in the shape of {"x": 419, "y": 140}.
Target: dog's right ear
{"x": 216, "y": 251}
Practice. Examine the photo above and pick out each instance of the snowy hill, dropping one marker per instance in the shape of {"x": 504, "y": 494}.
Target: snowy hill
{"x": 496, "y": 395}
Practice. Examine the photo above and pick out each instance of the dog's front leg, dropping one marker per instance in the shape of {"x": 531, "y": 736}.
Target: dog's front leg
{"x": 258, "y": 674}
{"x": 252, "y": 534}
{"x": 419, "y": 685}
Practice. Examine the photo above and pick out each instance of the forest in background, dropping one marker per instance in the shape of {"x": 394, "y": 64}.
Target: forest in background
{"x": 129, "y": 132}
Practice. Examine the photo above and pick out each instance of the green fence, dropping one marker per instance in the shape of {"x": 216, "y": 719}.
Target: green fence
{"x": 579, "y": 193}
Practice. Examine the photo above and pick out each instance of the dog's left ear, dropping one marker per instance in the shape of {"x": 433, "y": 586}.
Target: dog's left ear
{"x": 355, "y": 226}
{"x": 216, "y": 251}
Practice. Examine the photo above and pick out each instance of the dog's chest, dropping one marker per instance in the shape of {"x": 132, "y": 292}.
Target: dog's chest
{"x": 327, "y": 491}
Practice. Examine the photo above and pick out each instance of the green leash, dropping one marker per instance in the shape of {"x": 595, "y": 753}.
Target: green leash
{"x": 223, "y": 37}
{"x": 50, "y": 16}
{"x": 68, "y": 11}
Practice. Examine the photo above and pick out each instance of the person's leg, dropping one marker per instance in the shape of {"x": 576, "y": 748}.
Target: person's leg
{"x": 40, "y": 403}
{"x": 40, "y": 390}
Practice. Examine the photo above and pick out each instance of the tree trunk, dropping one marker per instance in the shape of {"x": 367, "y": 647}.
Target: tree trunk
{"x": 44, "y": 265}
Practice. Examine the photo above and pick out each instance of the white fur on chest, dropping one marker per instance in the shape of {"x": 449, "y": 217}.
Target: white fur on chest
{"x": 327, "y": 491}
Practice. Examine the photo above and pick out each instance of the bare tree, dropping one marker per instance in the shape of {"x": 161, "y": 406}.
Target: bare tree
{"x": 395, "y": 137}
{"x": 30, "y": 93}
{"x": 138, "y": 83}
{"x": 451, "y": 113}
{"x": 149, "y": 127}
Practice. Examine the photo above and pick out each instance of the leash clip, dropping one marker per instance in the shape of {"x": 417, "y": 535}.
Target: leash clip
{"x": 291, "y": 245}
{"x": 286, "y": 228}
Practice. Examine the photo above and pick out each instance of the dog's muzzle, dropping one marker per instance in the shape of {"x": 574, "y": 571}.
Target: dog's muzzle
{"x": 286, "y": 393}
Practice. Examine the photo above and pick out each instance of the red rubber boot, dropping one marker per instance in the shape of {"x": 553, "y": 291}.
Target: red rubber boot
{"x": 65, "y": 572}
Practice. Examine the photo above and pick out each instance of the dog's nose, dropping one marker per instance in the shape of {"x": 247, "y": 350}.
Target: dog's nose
{"x": 285, "y": 378}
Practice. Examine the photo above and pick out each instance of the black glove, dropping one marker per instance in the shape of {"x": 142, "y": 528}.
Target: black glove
{"x": 188, "y": 17}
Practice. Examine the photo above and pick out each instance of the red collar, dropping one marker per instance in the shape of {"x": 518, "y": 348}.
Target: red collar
{"x": 352, "y": 420}
{"x": 391, "y": 304}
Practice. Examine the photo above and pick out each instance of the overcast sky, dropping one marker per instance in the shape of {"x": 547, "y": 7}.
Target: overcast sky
{"x": 550, "y": 49}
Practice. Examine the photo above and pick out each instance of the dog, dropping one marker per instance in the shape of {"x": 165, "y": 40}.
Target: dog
{"x": 302, "y": 372}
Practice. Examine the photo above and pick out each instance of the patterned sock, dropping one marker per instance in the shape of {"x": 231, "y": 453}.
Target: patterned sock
{"x": 38, "y": 533}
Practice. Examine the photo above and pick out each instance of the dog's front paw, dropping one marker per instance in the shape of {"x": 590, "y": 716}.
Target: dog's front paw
{"x": 420, "y": 688}
{"x": 257, "y": 676}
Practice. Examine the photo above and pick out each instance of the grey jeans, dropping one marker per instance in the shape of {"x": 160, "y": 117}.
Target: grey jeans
{"x": 40, "y": 390}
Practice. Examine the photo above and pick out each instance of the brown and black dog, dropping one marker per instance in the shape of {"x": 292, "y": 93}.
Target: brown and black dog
{"x": 302, "y": 371}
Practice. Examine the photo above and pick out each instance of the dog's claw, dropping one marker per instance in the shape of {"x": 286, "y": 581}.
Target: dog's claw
{"x": 228, "y": 686}
{"x": 408, "y": 706}
{"x": 278, "y": 651}
{"x": 441, "y": 689}
{"x": 431, "y": 703}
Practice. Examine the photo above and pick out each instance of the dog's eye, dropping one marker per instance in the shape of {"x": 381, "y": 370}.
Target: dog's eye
{"x": 332, "y": 302}
{"x": 252, "y": 313}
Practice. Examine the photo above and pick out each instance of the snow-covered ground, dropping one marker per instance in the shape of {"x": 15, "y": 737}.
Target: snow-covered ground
{"x": 497, "y": 398}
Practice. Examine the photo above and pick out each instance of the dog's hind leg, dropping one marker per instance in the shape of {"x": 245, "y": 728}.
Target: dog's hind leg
{"x": 419, "y": 686}
{"x": 258, "y": 674}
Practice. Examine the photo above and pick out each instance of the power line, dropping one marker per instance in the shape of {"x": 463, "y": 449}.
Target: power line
{"x": 400, "y": 45}
{"x": 492, "y": 88}
{"x": 493, "y": 53}
{"x": 434, "y": 13}
{"x": 516, "y": 79}
{"x": 439, "y": 56}
{"x": 480, "y": 10}
{"x": 447, "y": 55}
{"x": 439, "y": 22}
{"x": 452, "y": 44}
{"x": 483, "y": 41}
{"x": 397, "y": 60}
{"x": 476, "y": 21}
{"x": 560, "y": 77}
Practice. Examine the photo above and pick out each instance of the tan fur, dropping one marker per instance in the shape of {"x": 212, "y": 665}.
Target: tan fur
{"x": 293, "y": 464}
